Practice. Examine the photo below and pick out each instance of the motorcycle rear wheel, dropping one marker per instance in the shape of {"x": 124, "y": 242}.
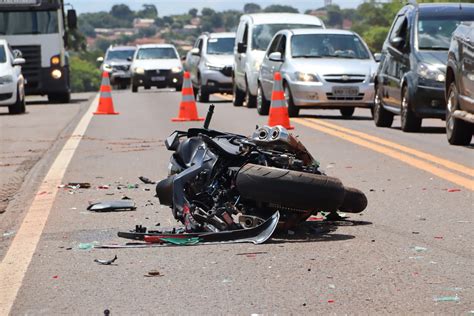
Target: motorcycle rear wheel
{"x": 291, "y": 189}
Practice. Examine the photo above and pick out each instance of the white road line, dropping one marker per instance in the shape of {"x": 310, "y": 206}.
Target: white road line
{"x": 16, "y": 261}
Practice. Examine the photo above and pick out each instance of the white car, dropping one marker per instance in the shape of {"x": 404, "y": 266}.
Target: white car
{"x": 254, "y": 33}
{"x": 156, "y": 65}
{"x": 321, "y": 69}
{"x": 12, "y": 83}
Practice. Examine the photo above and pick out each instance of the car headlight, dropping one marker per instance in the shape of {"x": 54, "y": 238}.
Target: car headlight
{"x": 107, "y": 67}
{"x": 213, "y": 67}
{"x": 139, "y": 70}
{"x": 176, "y": 69}
{"x": 430, "y": 72}
{"x": 6, "y": 79}
{"x": 306, "y": 77}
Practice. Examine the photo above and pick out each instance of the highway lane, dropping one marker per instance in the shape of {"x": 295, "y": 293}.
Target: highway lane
{"x": 369, "y": 266}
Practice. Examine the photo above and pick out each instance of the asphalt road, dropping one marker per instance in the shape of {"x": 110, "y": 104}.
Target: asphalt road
{"x": 414, "y": 243}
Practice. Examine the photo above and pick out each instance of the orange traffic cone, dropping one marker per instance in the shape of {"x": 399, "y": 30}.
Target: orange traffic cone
{"x": 187, "y": 107}
{"x": 106, "y": 105}
{"x": 278, "y": 108}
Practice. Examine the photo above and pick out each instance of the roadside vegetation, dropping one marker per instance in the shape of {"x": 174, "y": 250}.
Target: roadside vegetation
{"x": 371, "y": 20}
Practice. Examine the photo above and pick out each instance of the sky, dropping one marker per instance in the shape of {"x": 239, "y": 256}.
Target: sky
{"x": 168, "y": 7}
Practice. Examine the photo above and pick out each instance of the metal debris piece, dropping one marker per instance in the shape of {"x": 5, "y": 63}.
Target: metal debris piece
{"x": 113, "y": 206}
{"x": 146, "y": 180}
{"x": 106, "y": 262}
{"x": 154, "y": 273}
{"x": 419, "y": 249}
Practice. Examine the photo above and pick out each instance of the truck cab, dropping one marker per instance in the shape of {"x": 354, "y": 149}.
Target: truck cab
{"x": 36, "y": 30}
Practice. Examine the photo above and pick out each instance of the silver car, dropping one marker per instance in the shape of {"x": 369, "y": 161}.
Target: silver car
{"x": 117, "y": 63}
{"x": 322, "y": 69}
{"x": 210, "y": 64}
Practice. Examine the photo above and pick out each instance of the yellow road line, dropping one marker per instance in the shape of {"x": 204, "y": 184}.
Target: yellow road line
{"x": 19, "y": 255}
{"x": 417, "y": 163}
{"x": 443, "y": 162}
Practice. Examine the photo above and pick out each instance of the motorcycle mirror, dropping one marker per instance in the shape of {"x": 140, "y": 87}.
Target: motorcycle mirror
{"x": 172, "y": 141}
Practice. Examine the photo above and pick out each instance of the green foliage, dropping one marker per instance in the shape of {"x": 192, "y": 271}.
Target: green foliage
{"x": 193, "y": 12}
{"x": 280, "y": 8}
{"x": 122, "y": 12}
{"x": 252, "y": 8}
{"x": 85, "y": 76}
{"x": 149, "y": 11}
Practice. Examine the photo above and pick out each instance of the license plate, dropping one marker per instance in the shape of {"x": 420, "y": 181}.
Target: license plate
{"x": 345, "y": 91}
{"x": 160, "y": 78}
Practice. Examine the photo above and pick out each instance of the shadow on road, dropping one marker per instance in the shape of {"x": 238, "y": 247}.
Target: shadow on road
{"x": 426, "y": 130}
{"x": 46, "y": 102}
{"x": 337, "y": 117}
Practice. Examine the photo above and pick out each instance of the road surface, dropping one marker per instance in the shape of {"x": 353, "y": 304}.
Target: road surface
{"x": 413, "y": 244}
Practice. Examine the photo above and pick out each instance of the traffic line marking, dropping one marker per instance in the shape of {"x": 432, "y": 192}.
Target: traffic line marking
{"x": 415, "y": 162}
{"x": 18, "y": 257}
{"x": 443, "y": 162}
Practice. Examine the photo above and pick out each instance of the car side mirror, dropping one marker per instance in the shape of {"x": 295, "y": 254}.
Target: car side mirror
{"x": 378, "y": 57}
{"x": 275, "y": 56}
{"x": 18, "y": 61}
{"x": 71, "y": 19}
{"x": 241, "y": 48}
{"x": 172, "y": 141}
{"x": 100, "y": 59}
{"x": 195, "y": 51}
{"x": 397, "y": 42}
{"x": 129, "y": 58}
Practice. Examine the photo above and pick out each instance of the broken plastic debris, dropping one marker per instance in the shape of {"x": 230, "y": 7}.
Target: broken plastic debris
{"x": 86, "y": 245}
{"x": 332, "y": 286}
{"x": 146, "y": 180}
{"x": 453, "y": 190}
{"x": 106, "y": 262}
{"x": 113, "y": 206}
{"x": 154, "y": 273}
{"x": 8, "y": 234}
{"x": 103, "y": 187}
{"x": 447, "y": 299}
{"x": 419, "y": 249}
{"x": 133, "y": 186}
{"x": 182, "y": 241}
{"x": 78, "y": 185}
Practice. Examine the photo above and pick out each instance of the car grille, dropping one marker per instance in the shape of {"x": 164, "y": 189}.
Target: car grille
{"x": 331, "y": 97}
{"x": 121, "y": 67}
{"x": 344, "y": 78}
{"x": 158, "y": 72}
{"x": 227, "y": 71}
{"x": 5, "y": 96}
{"x": 32, "y": 67}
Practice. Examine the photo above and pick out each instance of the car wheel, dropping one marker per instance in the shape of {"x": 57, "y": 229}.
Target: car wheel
{"x": 263, "y": 105}
{"x": 238, "y": 95}
{"x": 250, "y": 100}
{"x": 458, "y": 132}
{"x": 147, "y": 87}
{"x": 293, "y": 111}
{"x": 134, "y": 88}
{"x": 202, "y": 95}
{"x": 20, "y": 104}
{"x": 347, "y": 112}
{"x": 59, "y": 97}
{"x": 382, "y": 117}
{"x": 410, "y": 123}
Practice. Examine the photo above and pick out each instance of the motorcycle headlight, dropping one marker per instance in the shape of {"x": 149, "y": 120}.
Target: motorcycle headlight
{"x": 6, "y": 79}
{"x": 176, "y": 70}
{"x": 139, "y": 70}
{"x": 430, "y": 72}
{"x": 305, "y": 77}
{"x": 213, "y": 67}
{"x": 107, "y": 67}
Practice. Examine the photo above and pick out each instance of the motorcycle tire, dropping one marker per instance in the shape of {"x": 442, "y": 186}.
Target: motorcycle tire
{"x": 292, "y": 189}
{"x": 355, "y": 201}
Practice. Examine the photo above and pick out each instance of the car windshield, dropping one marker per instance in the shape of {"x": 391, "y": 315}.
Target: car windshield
{"x": 328, "y": 45}
{"x": 120, "y": 54}
{"x": 157, "y": 53}
{"x": 28, "y": 22}
{"x": 262, "y": 34}
{"x": 3, "y": 56}
{"x": 434, "y": 32}
{"x": 220, "y": 46}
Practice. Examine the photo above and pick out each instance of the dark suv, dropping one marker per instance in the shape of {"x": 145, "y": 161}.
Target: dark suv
{"x": 411, "y": 76}
{"x": 460, "y": 86}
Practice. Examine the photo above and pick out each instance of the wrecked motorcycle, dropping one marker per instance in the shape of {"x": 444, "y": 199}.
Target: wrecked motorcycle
{"x": 220, "y": 181}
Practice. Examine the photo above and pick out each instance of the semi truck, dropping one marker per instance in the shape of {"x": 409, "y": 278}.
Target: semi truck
{"x": 37, "y": 32}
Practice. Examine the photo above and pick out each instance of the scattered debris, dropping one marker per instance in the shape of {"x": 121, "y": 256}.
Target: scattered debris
{"x": 8, "y": 234}
{"x": 415, "y": 233}
{"x": 55, "y": 276}
{"x": 332, "y": 286}
{"x": 438, "y": 237}
{"x": 154, "y": 273}
{"x": 447, "y": 299}
{"x": 419, "y": 249}
{"x": 78, "y": 185}
{"x": 331, "y": 301}
{"x": 86, "y": 246}
{"x": 453, "y": 190}
{"x": 106, "y": 262}
{"x": 146, "y": 180}
{"x": 226, "y": 281}
{"x": 133, "y": 186}
{"x": 113, "y": 206}
{"x": 251, "y": 253}
{"x": 182, "y": 241}
{"x": 106, "y": 312}
{"x": 103, "y": 187}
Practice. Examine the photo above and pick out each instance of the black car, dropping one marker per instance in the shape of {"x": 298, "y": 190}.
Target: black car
{"x": 410, "y": 80}
{"x": 460, "y": 86}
